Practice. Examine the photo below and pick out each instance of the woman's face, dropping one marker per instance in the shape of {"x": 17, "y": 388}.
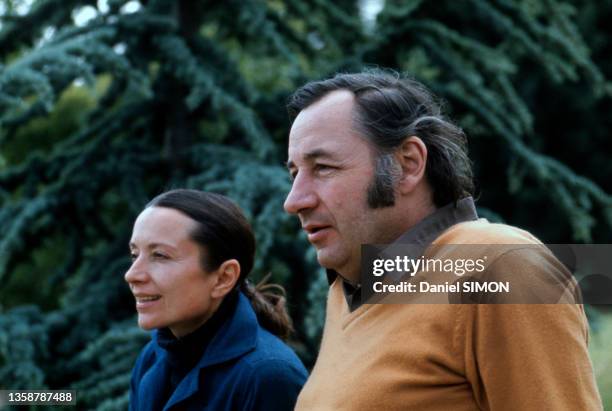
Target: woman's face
{"x": 166, "y": 277}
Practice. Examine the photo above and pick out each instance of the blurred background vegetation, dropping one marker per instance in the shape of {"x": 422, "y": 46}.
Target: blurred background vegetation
{"x": 104, "y": 104}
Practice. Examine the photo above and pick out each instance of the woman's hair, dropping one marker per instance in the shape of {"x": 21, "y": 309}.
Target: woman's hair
{"x": 224, "y": 233}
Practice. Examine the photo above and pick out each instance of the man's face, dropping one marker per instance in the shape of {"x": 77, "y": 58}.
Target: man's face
{"x": 332, "y": 167}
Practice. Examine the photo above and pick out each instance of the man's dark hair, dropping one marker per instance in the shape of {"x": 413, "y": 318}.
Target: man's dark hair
{"x": 390, "y": 109}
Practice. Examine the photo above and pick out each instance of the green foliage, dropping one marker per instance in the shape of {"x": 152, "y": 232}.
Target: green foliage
{"x": 97, "y": 118}
{"x": 483, "y": 58}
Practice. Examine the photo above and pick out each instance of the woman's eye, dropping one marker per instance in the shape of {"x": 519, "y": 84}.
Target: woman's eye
{"x": 160, "y": 256}
{"x": 133, "y": 256}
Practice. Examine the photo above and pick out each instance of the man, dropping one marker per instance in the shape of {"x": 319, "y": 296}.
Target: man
{"x": 373, "y": 161}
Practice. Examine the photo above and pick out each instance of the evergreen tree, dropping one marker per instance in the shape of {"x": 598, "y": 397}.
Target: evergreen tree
{"x": 101, "y": 108}
{"x": 501, "y": 65}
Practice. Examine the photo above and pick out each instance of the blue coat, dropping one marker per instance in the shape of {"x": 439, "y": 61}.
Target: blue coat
{"x": 243, "y": 368}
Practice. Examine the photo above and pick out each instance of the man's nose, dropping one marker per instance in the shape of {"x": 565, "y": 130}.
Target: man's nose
{"x": 301, "y": 197}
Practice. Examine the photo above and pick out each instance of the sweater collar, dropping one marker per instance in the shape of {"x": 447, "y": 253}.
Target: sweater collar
{"x": 420, "y": 235}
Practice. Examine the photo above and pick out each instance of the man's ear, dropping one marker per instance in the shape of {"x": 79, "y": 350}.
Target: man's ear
{"x": 227, "y": 274}
{"x": 412, "y": 157}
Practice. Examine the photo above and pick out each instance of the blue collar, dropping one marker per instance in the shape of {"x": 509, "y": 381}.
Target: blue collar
{"x": 234, "y": 339}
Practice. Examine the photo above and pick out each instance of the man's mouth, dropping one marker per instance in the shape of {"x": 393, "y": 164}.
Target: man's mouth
{"x": 312, "y": 228}
{"x": 316, "y": 232}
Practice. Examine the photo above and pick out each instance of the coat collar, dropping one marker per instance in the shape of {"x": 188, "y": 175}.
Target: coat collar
{"x": 234, "y": 339}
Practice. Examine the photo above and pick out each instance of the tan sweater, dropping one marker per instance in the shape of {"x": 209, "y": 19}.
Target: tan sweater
{"x": 453, "y": 357}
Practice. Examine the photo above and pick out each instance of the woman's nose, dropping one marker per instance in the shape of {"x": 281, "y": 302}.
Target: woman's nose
{"x": 136, "y": 272}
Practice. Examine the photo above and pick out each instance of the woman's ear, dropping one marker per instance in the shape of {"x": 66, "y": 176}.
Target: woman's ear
{"x": 412, "y": 158}
{"x": 227, "y": 274}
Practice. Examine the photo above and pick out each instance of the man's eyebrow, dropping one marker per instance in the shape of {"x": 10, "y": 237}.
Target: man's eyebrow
{"x": 312, "y": 155}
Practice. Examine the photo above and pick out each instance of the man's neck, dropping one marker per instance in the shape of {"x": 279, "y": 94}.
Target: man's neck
{"x": 398, "y": 220}
{"x": 351, "y": 275}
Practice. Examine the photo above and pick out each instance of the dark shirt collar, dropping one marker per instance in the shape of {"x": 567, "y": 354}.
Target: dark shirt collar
{"x": 430, "y": 228}
{"x": 423, "y": 233}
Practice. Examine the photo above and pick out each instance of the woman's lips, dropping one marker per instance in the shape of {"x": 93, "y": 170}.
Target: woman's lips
{"x": 146, "y": 301}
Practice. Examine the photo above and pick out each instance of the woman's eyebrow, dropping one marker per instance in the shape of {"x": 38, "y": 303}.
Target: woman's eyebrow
{"x": 153, "y": 245}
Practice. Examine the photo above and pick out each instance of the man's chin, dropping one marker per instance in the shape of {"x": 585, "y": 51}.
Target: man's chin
{"x": 328, "y": 259}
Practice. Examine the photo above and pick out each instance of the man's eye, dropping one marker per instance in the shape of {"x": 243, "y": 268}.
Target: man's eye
{"x": 323, "y": 168}
{"x": 133, "y": 256}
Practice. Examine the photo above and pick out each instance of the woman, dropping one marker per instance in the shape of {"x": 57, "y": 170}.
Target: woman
{"x": 216, "y": 342}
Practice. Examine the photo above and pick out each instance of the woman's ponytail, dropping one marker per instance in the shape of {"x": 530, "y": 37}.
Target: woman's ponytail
{"x": 269, "y": 304}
